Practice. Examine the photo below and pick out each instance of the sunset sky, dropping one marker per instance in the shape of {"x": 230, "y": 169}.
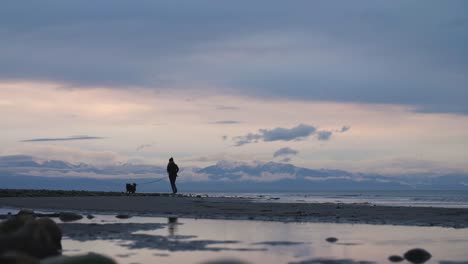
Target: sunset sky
{"x": 365, "y": 86}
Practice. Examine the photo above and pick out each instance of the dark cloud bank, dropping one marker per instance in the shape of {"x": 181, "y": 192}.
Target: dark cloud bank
{"x": 297, "y": 133}
{"x": 398, "y": 52}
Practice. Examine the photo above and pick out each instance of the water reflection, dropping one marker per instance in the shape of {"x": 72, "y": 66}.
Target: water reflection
{"x": 180, "y": 240}
{"x": 172, "y": 226}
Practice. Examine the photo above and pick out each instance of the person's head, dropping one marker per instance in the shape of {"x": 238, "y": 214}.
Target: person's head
{"x": 171, "y": 159}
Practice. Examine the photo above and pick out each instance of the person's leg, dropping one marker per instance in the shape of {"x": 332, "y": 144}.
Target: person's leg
{"x": 172, "y": 180}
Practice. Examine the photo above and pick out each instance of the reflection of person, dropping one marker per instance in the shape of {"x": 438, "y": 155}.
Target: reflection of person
{"x": 172, "y": 225}
{"x": 172, "y": 170}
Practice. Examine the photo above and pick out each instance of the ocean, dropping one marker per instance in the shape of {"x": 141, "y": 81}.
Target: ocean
{"x": 417, "y": 198}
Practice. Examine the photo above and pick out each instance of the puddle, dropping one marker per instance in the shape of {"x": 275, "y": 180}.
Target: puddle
{"x": 180, "y": 240}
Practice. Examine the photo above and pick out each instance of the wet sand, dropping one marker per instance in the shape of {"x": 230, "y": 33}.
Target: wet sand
{"x": 245, "y": 209}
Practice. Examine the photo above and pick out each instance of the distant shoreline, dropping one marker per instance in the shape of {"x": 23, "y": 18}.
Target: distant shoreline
{"x": 198, "y": 206}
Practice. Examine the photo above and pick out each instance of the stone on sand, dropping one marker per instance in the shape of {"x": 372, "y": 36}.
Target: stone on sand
{"x": 395, "y": 258}
{"x": 332, "y": 239}
{"x": 123, "y": 216}
{"x": 417, "y": 255}
{"x": 69, "y": 217}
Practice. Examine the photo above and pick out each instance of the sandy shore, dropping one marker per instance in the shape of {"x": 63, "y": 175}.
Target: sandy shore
{"x": 238, "y": 208}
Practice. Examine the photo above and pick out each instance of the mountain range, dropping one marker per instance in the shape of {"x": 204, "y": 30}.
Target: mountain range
{"x": 27, "y": 172}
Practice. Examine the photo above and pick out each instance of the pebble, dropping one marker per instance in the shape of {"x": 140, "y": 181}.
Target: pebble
{"x": 332, "y": 239}
{"x": 417, "y": 255}
{"x": 69, "y": 217}
{"x": 123, "y": 216}
{"x": 395, "y": 258}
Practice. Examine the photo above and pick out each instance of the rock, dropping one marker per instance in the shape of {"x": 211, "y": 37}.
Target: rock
{"x": 395, "y": 258}
{"x": 25, "y": 212}
{"x": 332, "y": 239}
{"x": 123, "y": 216}
{"x": 37, "y": 238}
{"x": 90, "y": 216}
{"x": 40, "y": 238}
{"x": 417, "y": 255}
{"x": 69, "y": 217}
{"x": 15, "y": 223}
{"x": 90, "y": 258}
{"x": 17, "y": 258}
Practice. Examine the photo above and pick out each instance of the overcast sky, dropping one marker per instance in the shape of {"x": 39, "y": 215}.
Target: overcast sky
{"x": 359, "y": 85}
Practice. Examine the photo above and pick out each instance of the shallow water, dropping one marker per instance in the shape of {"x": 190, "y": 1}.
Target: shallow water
{"x": 180, "y": 240}
{"x": 268, "y": 242}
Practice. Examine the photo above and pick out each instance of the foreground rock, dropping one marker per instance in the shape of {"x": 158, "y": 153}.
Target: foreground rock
{"x": 90, "y": 258}
{"x": 17, "y": 258}
{"x": 417, "y": 255}
{"x": 25, "y": 235}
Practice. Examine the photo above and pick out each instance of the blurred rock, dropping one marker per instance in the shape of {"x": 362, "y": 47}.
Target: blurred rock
{"x": 332, "y": 239}
{"x": 25, "y": 212}
{"x": 90, "y": 216}
{"x": 90, "y": 258}
{"x": 395, "y": 258}
{"x": 69, "y": 217}
{"x": 14, "y": 223}
{"x": 123, "y": 216}
{"x": 40, "y": 238}
{"x": 417, "y": 255}
{"x": 17, "y": 258}
{"x": 37, "y": 238}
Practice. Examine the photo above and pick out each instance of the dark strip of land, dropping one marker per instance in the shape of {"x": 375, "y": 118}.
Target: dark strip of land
{"x": 237, "y": 208}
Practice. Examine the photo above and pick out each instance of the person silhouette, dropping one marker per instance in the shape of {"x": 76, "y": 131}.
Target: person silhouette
{"x": 172, "y": 170}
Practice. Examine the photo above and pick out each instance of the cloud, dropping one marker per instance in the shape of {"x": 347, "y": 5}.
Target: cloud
{"x": 344, "y": 129}
{"x": 226, "y": 107}
{"x": 284, "y": 152}
{"x": 324, "y": 54}
{"x": 324, "y": 135}
{"x": 143, "y": 146}
{"x": 296, "y": 133}
{"x": 68, "y": 154}
{"x": 61, "y": 139}
{"x": 300, "y": 132}
{"x": 225, "y": 122}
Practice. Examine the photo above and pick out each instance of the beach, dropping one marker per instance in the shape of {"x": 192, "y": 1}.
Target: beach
{"x": 198, "y": 228}
{"x": 202, "y": 207}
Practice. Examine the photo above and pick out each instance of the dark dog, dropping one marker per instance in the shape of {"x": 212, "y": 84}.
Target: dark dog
{"x": 131, "y": 188}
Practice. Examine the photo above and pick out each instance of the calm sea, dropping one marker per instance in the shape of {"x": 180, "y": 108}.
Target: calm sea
{"x": 447, "y": 199}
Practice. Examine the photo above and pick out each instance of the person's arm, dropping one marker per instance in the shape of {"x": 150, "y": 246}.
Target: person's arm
{"x": 177, "y": 168}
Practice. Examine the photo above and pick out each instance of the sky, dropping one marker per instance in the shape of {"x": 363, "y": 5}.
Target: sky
{"x": 364, "y": 86}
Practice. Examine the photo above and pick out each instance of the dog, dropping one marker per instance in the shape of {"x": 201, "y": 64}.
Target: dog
{"x": 131, "y": 188}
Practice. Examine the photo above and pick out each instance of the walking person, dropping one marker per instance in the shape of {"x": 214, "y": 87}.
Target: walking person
{"x": 172, "y": 170}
